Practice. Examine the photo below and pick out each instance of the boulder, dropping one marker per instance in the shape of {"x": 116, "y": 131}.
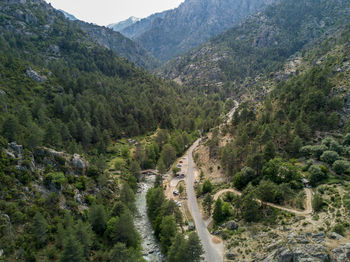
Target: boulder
{"x": 230, "y": 255}
{"x": 231, "y": 225}
{"x": 285, "y": 255}
{"x": 335, "y": 236}
{"x": 319, "y": 237}
{"x": 79, "y": 162}
{"x": 341, "y": 253}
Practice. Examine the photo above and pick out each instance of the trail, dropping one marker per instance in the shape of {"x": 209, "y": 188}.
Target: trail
{"x": 308, "y": 210}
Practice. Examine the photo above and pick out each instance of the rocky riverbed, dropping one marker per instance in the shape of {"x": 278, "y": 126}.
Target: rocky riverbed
{"x": 150, "y": 247}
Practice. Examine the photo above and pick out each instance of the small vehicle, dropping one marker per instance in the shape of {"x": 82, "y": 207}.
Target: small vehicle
{"x": 179, "y": 166}
{"x": 180, "y": 161}
{"x": 175, "y": 192}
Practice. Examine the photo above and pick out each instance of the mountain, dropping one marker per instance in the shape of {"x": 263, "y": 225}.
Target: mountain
{"x": 67, "y": 108}
{"x": 176, "y": 31}
{"x": 120, "y": 45}
{"x": 259, "y": 45}
{"x": 68, "y": 15}
{"x": 124, "y": 24}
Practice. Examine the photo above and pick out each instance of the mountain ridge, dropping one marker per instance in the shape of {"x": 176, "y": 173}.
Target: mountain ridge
{"x": 175, "y": 31}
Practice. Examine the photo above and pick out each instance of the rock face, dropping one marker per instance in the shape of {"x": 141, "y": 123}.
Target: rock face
{"x": 342, "y": 253}
{"x": 304, "y": 248}
{"x": 35, "y": 76}
{"x": 79, "y": 163}
{"x": 176, "y": 31}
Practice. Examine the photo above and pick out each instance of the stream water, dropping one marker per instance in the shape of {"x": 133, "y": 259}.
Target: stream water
{"x": 150, "y": 247}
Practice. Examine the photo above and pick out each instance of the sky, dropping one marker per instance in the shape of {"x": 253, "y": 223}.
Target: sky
{"x": 104, "y": 12}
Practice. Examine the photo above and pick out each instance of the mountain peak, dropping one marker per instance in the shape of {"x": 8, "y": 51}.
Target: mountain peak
{"x": 124, "y": 24}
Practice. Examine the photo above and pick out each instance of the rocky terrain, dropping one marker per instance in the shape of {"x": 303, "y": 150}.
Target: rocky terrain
{"x": 176, "y": 31}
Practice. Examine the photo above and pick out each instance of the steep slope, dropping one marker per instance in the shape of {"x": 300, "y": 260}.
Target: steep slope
{"x": 176, "y": 31}
{"x": 300, "y": 132}
{"x": 73, "y": 93}
{"x": 124, "y": 24}
{"x": 259, "y": 45}
{"x": 120, "y": 45}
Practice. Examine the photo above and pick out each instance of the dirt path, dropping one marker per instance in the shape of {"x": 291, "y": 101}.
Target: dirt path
{"x": 307, "y": 211}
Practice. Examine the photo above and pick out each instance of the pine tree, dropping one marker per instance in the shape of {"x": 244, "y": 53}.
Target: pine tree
{"x": 83, "y": 235}
{"x": 97, "y": 218}
{"x": 193, "y": 249}
{"x": 218, "y": 215}
{"x": 207, "y": 203}
{"x": 40, "y": 229}
{"x": 72, "y": 250}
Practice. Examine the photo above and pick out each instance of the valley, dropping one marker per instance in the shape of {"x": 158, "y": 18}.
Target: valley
{"x": 215, "y": 131}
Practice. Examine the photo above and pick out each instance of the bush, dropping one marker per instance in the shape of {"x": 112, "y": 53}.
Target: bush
{"x": 207, "y": 187}
{"x": 316, "y": 174}
{"x": 242, "y": 178}
{"x": 329, "y": 157}
{"x": 317, "y": 202}
{"x": 339, "y": 229}
{"x": 318, "y": 150}
{"x": 341, "y": 166}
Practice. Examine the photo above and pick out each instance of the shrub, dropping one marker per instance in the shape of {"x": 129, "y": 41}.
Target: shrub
{"x": 317, "y": 202}
{"x": 341, "y": 166}
{"x": 339, "y": 229}
{"x": 207, "y": 187}
{"x": 329, "y": 157}
{"x": 318, "y": 150}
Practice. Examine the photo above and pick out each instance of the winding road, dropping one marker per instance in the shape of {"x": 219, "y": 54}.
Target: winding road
{"x": 213, "y": 252}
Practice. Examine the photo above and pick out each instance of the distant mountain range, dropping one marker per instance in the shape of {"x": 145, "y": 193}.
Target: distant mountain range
{"x": 259, "y": 45}
{"x": 174, "y": 32}
{"x": 124, "y": 24}
{"x": 119, "y": 44}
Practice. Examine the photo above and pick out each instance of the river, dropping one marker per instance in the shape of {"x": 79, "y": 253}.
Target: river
{"x": 150, "y": 246}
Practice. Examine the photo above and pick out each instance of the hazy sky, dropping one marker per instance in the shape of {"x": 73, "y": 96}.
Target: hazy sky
{"x": 103, "y": 12}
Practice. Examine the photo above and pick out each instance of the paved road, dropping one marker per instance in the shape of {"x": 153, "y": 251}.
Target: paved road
{"x": 212, "y": 251}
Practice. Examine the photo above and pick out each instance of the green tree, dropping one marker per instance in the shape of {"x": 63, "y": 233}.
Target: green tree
{"x": 120, "y": 253}
{"x": 127, "y": 196}
{"x": 341, "y": 166}
{"x": 177, "y": 250}
{"x": 97, "y": 218}
{"x": 72, "y": 250}
{"x": 40, "y": 229}
{"x": 218, "y": 215}
{"x": 11, "y": 128}
{"x": 296, "y": 146}
{"x": 135, "y": 169}
{"x": 208, "y": 203}
{"x": 122, "y": 229}
{"x": 329, "y": 157}
{"x": 168, "y": 230}
{"x": 269, "y": 151}
{"x": 315, "y": 174}
{"x": 242, "y": 178}
{"x": 84, "y": 235}
{"x": 207, "y": 187}
{"x": 193, "y": 248}
{"x": 168, "y": 155}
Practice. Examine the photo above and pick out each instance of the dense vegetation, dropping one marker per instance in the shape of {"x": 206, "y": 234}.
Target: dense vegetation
{"x": 259, "y": 45}
{"x": 60, "y": 90}
{"x": 80, "y": 96}
{"x": 166, "y": 219}
{"x": 299, "y": 131}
